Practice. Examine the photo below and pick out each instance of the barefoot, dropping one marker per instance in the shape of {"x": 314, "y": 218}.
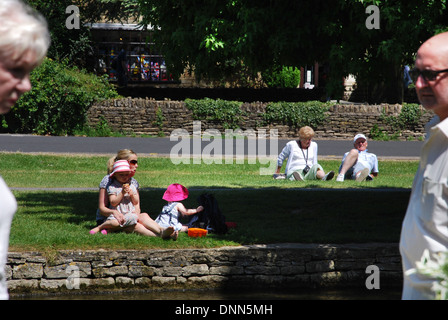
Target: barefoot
{"x": 167, "y": 232}
{"x": 175, "y": 235}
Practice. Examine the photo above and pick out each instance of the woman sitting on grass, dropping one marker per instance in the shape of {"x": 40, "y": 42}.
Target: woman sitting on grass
{"x": 171, "y": 212}
{"x": 302, "y": 159}
{"x": 104, "y": 209}
{"x": 123, "y": 197}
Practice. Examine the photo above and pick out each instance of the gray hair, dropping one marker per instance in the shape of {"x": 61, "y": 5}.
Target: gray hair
{"x": 22, "y": 29}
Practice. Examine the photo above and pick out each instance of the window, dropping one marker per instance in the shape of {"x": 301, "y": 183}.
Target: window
{"x": 144, "y": 61}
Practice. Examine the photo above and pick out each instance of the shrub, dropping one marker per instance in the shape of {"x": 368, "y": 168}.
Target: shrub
{"x": 408, "y": 118}
{"x": 284, "y": 77}
{"x": 227, "y": 113}
{"x": 296, "y": 114}
{"x": 58, "y": 101}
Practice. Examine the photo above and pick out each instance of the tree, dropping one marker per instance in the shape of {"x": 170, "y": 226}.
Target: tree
{"x": 74, "y": 45}
{"x": 215, "y": 37}
{"x": 377, "y": 56}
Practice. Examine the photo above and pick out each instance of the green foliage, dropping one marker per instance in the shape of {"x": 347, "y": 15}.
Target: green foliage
{"x": 227, "y": 113}
{"x": 378, "y": 133}
{"x": 102, "y": 129}
{"x": 58, "y": 101}
{"x": 208, "y": 34}
{"x": 298, "y": 114}
{"x": 159, "y": 121}
{"x": 284, "y": 77}
{"x": 408, "y": 118}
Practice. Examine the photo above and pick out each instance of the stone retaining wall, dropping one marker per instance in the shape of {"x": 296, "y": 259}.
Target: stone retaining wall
{"x": 280, "y": 265}
{"x": 139, "y": 116}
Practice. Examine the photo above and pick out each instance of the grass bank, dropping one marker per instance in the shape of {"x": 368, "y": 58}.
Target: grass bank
{"x": 53, "y": 171}
{"x": 265, "y": 210}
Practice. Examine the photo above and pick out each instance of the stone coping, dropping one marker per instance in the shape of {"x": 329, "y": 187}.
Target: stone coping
{"x": 286, "y": 265}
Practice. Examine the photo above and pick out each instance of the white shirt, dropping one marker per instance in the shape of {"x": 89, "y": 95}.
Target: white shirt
{"x": 425, "y": 225}
{"x": 365, "y": 160}
{"x": 8, "y": 206}
{"x": 297, "y": 156}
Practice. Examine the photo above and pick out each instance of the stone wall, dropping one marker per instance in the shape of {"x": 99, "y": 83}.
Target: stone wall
{"x": 139, "y": 116}
{"x": 280, "y": 265}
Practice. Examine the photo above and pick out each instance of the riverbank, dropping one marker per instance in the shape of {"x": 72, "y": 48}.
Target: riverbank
{"x": 285, "y": 266}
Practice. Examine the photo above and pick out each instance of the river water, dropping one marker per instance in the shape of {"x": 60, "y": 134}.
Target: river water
{"x": 274, "y": 294}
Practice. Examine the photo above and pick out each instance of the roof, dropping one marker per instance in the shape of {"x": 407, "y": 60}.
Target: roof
{"x": 117, "y": 26}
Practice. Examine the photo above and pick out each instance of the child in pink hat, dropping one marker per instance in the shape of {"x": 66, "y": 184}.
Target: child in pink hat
{"x": 174, "y": 209}
{"x": 123, "y": 197}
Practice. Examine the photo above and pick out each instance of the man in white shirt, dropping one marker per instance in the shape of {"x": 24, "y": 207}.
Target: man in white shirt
{"x": 24, "y": 42}
{"x": 358, "y": 164}
{"x": 425, "y": 226}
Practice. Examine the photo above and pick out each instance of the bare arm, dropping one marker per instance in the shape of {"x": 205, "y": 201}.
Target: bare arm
{"x": 188, "y": 212}
{"x": 115, "y": 199}
{"x": 103, "y": 204}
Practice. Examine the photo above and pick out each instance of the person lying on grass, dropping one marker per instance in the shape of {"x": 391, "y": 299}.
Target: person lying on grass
{"x": 124, "y": 198}
{"x": 174, "y": 209}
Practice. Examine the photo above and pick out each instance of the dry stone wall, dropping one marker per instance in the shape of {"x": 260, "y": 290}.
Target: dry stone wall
{"x": 150, "y": 117}
{"x": 276, "y": 265}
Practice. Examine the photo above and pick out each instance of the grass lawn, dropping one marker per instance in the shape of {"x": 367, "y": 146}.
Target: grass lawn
{"x": 265, "y": 210}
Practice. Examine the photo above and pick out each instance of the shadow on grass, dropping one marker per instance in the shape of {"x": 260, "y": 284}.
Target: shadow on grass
{"x": 262, "y": 215}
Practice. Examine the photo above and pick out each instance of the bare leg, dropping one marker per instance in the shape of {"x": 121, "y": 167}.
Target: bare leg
{"x": 108, "y": 224}
{"x": 349, "y": 161}
{"x": 149, "y": 224}
{"x": 141, "y": 229}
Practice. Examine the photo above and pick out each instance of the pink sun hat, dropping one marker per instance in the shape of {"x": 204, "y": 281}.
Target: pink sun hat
{"x": 120, "y": 166}
{"x": 175, "y": 192}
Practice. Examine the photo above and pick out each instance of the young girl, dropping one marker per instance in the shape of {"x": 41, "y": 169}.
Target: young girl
{"x": 169, "y": 217}
{"x": 104, "y": 210}
{"x": 123, "y": 198}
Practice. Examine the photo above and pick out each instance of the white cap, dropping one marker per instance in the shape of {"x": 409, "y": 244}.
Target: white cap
{"x": 358, "y": 136}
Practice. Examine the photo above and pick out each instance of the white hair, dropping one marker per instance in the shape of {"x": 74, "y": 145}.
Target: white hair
{"x": 22, "y": 29}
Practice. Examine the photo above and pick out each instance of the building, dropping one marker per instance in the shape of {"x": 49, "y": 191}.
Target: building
{"x": 145, "y": 62}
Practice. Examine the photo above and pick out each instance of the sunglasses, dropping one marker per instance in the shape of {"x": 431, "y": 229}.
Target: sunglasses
{"x": 428, "y": 75}
{"x": 133, "y": 162}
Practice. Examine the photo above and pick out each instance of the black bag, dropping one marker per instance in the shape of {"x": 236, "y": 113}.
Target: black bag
{"x": 211, "y": 218}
